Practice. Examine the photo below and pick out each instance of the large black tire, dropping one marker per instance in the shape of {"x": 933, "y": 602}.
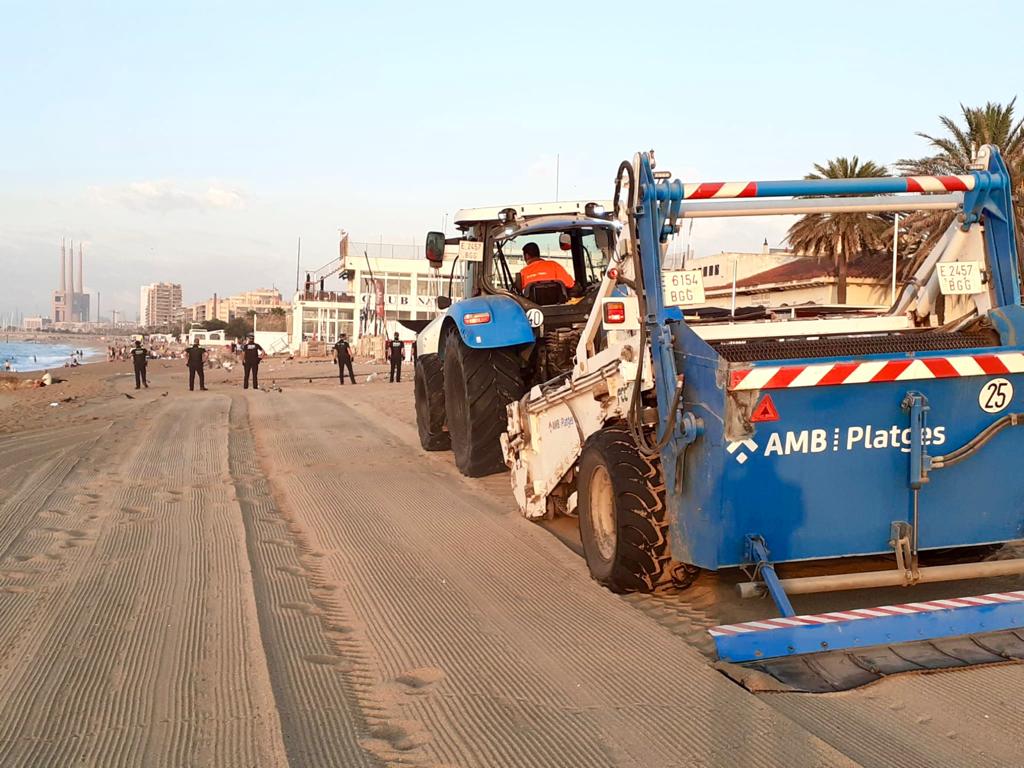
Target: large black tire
{"x": 622, "y": 513}
{"x": 478, "y": 385}
{"x": 430, "y": 416}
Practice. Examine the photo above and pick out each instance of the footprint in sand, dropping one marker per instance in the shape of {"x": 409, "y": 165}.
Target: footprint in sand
{"x": 326, "y": 660}
{"x": 403, "y": 735}
{"x": 420, "y": 678}
{"x": 306, "y": 609}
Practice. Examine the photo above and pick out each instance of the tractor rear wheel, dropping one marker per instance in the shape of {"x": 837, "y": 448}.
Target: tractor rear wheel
{"x": 478, "y": 385}
{"x": 429, "y": 388}
{"x": 622, "y": 513}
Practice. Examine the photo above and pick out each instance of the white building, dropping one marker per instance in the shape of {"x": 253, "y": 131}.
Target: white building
{"x": 718, "y": 269}
{"x": 405, "y": 289}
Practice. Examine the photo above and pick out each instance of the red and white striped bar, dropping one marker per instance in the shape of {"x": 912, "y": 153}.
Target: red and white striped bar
{"x": 720, "y": 190}
{"x": 996, "y": 598}
{"x": 874, "y": 371}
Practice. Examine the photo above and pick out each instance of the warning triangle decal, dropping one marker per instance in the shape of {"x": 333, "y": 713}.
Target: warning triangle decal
{"x": 765, "y": 410}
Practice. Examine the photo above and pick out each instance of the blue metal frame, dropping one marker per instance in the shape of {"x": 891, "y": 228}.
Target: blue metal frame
{"x": 833, "y": 497}
{"x": 865, "y": 632}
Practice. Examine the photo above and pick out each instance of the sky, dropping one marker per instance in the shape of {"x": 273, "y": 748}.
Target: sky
{"x": 194, "y": 142}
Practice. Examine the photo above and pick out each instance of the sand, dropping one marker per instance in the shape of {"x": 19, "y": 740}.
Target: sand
{"x": 282, "y": 577}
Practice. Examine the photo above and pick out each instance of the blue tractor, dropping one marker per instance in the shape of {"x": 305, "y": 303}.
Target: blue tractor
{"x": 497, "y": 335}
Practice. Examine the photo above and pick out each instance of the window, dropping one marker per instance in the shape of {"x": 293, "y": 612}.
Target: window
{"x": 595, "y": 256}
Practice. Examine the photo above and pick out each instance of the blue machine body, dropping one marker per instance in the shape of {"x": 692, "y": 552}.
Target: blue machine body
{"x": 831, "y": 475}
{"x": 841, "y": 464}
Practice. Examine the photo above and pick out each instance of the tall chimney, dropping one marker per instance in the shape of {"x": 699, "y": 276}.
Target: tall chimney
{"x": 78, "y": 285}
{"x": 63, "y": 267}
{"x": 71, "y": 275}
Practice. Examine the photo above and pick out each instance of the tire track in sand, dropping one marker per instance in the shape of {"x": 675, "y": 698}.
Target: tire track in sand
{"x": 485, "y": 631}
{"x": 313, "y": 670}
{"x": 148, "y": 652}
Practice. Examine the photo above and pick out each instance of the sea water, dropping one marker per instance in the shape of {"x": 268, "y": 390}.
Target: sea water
{"x": 37, "y": 356}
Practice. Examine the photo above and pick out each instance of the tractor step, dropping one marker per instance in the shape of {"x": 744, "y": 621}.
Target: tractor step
{"x": 865, "y": 627}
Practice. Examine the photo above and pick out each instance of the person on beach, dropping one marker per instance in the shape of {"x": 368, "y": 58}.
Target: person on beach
{"x": 396, "y": 351}
{"x": 139, "y": 359}
{"x": 252, "y": 353}
{"x": 195, "y": 359}
{"x": 343, "y": 357}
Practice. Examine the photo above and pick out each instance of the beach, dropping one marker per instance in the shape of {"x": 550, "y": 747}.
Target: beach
{"x": 281, "y": 577}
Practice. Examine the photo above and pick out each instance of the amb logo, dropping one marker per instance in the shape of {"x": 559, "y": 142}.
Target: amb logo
{"x": 836, "y": 440}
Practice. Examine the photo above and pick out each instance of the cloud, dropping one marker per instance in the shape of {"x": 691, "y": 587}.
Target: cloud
{"x": 164, "y": 196}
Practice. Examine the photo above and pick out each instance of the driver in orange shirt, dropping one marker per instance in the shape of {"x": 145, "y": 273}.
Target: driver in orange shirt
{"x": 537, "y": 270}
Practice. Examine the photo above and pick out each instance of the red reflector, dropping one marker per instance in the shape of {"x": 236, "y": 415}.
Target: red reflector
{"x": 476, "y": 318}
{"x": 765, "y": 410}
{"x": 614, "y": 312}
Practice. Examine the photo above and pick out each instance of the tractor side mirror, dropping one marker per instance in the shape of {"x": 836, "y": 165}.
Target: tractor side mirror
{"x": 435, "y": 249}
{"x": 443, "y": 302}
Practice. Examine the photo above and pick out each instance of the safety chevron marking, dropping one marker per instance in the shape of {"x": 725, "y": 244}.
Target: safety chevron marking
{"x": 718, "y": 190}
{"x": 874, "y": 371}
{"x": 745, "y": 627}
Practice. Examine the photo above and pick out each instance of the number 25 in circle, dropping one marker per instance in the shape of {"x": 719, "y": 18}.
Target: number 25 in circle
{"x": 995, "y": 395}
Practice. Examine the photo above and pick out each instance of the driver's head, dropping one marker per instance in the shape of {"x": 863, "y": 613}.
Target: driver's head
{"x": 531, "y": 251}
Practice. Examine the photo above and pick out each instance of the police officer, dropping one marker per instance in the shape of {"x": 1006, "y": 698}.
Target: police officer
{"x": 252, "y": 353}
{"x": 139, "y": 355}
{"x": 343, "y": 357}
{"x": 396, "y": 351}
{"x": 195, "y": 359}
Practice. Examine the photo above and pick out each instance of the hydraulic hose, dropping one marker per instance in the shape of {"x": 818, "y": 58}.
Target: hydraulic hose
{"x": 979, "y": 440}
{"x": 634, "y": 418}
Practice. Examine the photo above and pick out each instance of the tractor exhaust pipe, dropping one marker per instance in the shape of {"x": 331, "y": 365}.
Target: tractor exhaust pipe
{"x": 895, "y": 578}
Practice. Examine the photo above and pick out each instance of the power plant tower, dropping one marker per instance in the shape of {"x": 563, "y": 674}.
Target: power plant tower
{"x": 63, "y": 267}
{"x": 71, "y": 280}
{"x": 78, "y": 285}
{"x": 70, "y": 302}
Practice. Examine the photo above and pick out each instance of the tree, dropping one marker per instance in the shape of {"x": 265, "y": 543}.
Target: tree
{"x": 991, "y": 124}
{"x": 840, "y": 237}
{"x": 238, "y": 327}
{"x": 214, "y": 325}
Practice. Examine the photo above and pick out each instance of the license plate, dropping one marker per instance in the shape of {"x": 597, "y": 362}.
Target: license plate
{"x": 681, "y": 287}
{"x": 960, "y": 278}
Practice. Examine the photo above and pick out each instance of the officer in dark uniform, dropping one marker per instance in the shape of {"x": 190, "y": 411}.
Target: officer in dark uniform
{"x": 252, "y": 353}
{"x": 195, "y": 359}
{"x": 396, "y": 351}
{"x": 343, "y": 357}
{"x": 139, "y": 355}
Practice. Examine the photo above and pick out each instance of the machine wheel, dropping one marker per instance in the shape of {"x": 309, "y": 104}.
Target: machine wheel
{"x": 478, "y": 385}
{"x": 429, "y": 384}
{"x": 622, "y": 513}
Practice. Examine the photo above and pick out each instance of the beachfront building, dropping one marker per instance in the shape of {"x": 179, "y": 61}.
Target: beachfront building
{"x": 261, "y": 301}
{"x": 159, "y": 305}
{"x": 718, "y": 269}
{"x": 378, "y": 294}
{"x": 805, "y": 280}
{"x": 35, "y": 323}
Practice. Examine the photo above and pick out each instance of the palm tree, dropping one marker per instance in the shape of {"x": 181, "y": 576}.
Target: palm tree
{"x": 841, "y": 236}
{"x": 991, "y": 124}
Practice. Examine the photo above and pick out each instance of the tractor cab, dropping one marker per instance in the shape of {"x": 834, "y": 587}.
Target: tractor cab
{"x": 552, "y": 264}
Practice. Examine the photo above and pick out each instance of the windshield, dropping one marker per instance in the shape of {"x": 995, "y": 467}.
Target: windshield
{"x": 581, "y": 252}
